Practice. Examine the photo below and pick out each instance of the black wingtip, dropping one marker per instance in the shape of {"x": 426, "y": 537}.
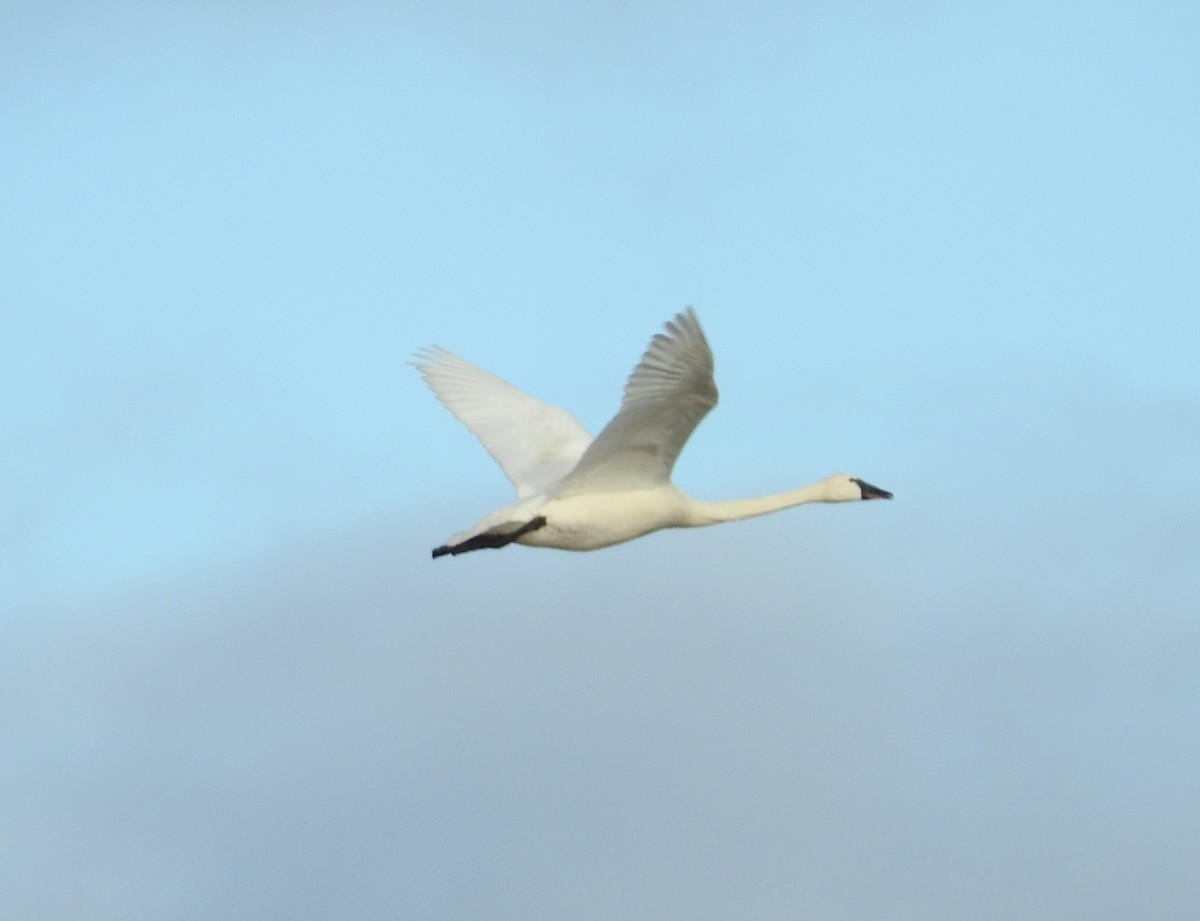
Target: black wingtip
{"x": 440, "y": 551}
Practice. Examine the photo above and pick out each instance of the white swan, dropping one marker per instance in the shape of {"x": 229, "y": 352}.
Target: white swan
{"x": 576, "y": 493}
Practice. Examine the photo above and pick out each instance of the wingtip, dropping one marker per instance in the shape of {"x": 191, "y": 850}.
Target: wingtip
{"x": 426, "y": 355}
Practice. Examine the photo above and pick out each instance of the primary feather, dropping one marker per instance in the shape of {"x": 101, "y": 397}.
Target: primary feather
{"x": 535, "y": 444}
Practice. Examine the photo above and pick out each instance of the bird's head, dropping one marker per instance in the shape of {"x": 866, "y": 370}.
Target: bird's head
{"x": 842, "y": 487}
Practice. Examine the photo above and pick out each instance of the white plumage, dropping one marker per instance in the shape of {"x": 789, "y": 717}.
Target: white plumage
{"x": 579, "y": 493}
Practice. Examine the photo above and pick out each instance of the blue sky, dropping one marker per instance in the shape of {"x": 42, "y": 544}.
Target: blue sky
{"x": 948, "y": 247}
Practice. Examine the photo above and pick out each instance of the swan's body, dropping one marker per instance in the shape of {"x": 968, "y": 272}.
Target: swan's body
{"x": 579, "y": 493}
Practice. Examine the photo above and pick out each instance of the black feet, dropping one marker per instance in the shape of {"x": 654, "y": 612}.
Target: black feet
{"x": 490, "y": 540}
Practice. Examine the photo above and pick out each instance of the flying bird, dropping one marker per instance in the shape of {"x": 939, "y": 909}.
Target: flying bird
{"x": 575, "y": 492}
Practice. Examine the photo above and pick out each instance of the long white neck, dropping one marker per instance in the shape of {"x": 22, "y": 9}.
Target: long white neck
{"x": 702, "y": 513}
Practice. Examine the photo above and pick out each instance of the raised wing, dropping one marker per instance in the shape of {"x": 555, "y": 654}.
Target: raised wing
{"x": 535, "y": 444}
{"x": 668, "y": 393}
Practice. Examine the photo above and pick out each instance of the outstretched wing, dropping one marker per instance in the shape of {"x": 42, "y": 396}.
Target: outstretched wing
{"x": 535, "y": 444}
{"x": 668, "y": 393}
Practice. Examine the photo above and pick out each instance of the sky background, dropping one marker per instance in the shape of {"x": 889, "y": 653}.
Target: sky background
{"x": 948, "y": 247}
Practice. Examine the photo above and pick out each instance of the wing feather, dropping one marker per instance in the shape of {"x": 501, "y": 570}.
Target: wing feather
{"x": 535, "y": 444}
{"x": 668, "y": 393}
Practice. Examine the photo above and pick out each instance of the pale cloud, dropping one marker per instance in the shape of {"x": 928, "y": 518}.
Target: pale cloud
{"x": 690, "y": 727}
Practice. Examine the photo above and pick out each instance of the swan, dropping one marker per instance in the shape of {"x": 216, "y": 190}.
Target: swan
{"x": 579, "y": 493}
